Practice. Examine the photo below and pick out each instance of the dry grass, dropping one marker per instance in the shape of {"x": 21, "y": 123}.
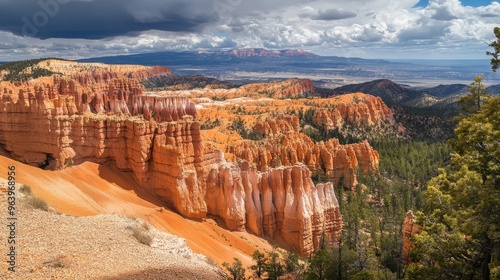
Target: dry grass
{"x": 37, "y": 203}
{"x": 26, "y": 190}
{"x": 33, "y": 201}
{"x": 56, "y": 262}
{"x": 210, "y": 261}
{"x": 140, "y": 233}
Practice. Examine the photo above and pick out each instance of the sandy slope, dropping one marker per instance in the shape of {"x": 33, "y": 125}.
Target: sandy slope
{"x": 59, "y": 246}
{"x": 90, "y": 189}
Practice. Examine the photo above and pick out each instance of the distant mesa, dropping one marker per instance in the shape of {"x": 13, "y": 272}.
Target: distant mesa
{"x": 264, "y": 53}
{"x": 203, "y": 58}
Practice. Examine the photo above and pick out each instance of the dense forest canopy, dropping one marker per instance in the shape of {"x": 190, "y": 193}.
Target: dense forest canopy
{"x": 16, "y": 71}
{"x": 454, "y": 186}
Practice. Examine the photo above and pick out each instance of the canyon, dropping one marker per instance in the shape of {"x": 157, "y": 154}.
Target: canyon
{"x": 92, "y": 112}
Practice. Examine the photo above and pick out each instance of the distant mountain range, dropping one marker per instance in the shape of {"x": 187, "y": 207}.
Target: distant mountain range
{"x": 388, "y": 90}
{"x": 393, "y": 93}
{"x": 203, "y": 58}
{"x": 257, "y": 64}
{"x": 257, "y": 52}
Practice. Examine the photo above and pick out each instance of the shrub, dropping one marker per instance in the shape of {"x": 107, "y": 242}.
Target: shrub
{"x": 26, "y": 190}
{"x": 37, "y": 203}
{"x": 235, "y": 269}
{"x": 55, "y": 262}
{"x": 141, "y": 235}
{"x": 145, "y": 226}
{"x": 210, "y": 261}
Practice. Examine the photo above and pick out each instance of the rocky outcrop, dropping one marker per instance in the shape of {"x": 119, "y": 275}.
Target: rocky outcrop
{"x": 103, "y": 116}
{"x": 410, "y": 228}
{"x": 362, "y": 110}
{"x": 283, "y": 124}
{"x": 281, "y": 202}
{"x": 293, "y": 88}
{"x": 285, "y": 146}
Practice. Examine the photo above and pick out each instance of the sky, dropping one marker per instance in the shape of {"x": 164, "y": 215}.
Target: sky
{"x": 389, "y": 29}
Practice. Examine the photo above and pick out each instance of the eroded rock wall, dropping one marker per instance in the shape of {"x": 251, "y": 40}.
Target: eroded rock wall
{"x": 282, "y": 202}
{"x": 104, "y": 117}
{"x": 283, "y": 145}
{"x": 293, "y": 88}
{"x": 363, "y": 110}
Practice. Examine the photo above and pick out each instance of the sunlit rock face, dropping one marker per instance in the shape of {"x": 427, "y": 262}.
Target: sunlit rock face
{"x": 410, "y": 228}
{"x": 361, "y": 110}
{"x": 283, "y": 145}
{"x": 100, "y": 113}
{"x": 280, "y": 203}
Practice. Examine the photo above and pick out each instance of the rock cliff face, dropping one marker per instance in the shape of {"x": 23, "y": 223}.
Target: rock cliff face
{"x": 283, "y": 124}
{"x": 292, "y": 88}
{"x": 285, "y": 146}
{"x": 99, "y": 113}
{"x": 409, "y": 230}
{"x": 362, "y": 110}
{"x": 281, "y": 202}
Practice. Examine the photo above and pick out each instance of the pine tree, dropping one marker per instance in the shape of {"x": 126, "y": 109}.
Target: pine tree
{"x": 320, "y": 266}
{"x": 473, "y": 102}
{"x": 461, "y": 211}
{"x": 292, "y": 264}
{"x": 260, "y": 263}
{"x": 274, "y": 266}
{"x": 235, "y": 269}
{"x": 495, "y": 61}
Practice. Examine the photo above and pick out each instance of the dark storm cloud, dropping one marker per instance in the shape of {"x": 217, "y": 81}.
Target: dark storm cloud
{"x": 96, "y": 19}
{"x": 11, "y": 46}
{"x": 239, "y": 25}
{"x": 334, "y": 14}
{"x": 208, "y": 44}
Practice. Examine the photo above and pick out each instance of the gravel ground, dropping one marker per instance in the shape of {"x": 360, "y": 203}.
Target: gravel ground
{"x": 57, "y": 246}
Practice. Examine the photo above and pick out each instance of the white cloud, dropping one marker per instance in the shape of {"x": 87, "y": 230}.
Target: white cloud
{"x": 374, "y": 28}
{"x": 490, "y": 11}
{"x": 445, "y": 9}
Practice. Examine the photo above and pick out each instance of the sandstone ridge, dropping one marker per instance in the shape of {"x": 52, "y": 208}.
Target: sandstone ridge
{"x": 363, "y": 109}
{"x": 283, "y": 145}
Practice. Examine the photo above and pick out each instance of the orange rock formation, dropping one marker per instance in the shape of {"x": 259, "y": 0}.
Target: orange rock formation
{"x": 102, "y": 115}
{"x": 409, "y": 230}
{"x": 285, "y": 146}
{"x": 365, "y": 110}
{"x": 99, "y": 113}
{"x": 292, "y": 88}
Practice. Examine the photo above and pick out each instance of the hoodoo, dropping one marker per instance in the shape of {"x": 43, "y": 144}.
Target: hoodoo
{"x": 100, "y": 113}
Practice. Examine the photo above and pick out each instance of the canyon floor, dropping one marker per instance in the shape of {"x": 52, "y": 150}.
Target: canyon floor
{"x": 87, "y": 234}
